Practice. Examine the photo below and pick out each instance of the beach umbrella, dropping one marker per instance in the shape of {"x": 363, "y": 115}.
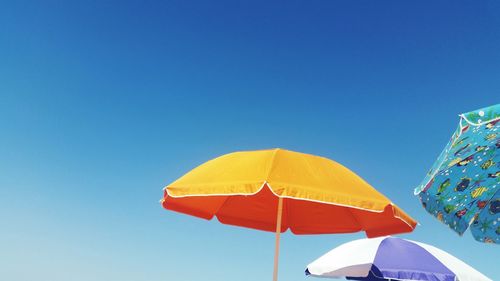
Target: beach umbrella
{"x": 462, "y": 187}
{"x": 391, "y": 258}
{"x": 275, "y": 190}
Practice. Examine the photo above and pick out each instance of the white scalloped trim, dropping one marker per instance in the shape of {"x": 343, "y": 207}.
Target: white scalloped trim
{"x": 480, "y": 123}
{"x": 287, "y": 197}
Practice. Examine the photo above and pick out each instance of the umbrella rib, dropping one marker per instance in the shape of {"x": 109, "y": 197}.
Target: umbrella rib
{"x": 271, "y": 164}
{"x": 355, "y": 218}
{"x": 474, "y": 234}
{"x": 222, "y": 205}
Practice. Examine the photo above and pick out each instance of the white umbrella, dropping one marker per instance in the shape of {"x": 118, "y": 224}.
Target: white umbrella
{"x": 391, "y": 258}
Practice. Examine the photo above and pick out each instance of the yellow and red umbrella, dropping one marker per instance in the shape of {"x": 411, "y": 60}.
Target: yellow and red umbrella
{"x": 275, "y": 190}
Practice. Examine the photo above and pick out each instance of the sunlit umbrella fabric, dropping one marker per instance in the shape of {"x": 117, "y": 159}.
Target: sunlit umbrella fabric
{"x": 276, "y": 190}
{"x": 462, "y": 187}
{"x": 391, "y": 258}
{"x": 319, "y": 195}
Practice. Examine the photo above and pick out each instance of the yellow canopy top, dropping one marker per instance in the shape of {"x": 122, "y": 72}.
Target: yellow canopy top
{"x": 288, "y": 174}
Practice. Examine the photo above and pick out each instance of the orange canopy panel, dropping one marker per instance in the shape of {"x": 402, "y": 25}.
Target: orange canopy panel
{"x": 319, "y": 195}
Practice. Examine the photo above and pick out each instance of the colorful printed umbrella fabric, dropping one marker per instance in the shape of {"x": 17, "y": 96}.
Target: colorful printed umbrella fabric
{"x": 391, "y": 258}
{"x": 462, "y": 187}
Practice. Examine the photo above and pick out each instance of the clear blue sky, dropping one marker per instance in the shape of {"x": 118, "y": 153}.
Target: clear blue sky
{"x": 103, "y": 103}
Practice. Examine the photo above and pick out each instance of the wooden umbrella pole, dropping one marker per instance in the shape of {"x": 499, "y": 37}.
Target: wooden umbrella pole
{"x": 278, "y": 232}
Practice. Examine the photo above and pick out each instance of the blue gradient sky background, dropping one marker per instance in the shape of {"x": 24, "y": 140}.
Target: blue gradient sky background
{"x": 103, "y": 103}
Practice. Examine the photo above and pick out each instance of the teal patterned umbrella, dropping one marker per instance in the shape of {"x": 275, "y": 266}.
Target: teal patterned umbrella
{"x": 462, "y": 187}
